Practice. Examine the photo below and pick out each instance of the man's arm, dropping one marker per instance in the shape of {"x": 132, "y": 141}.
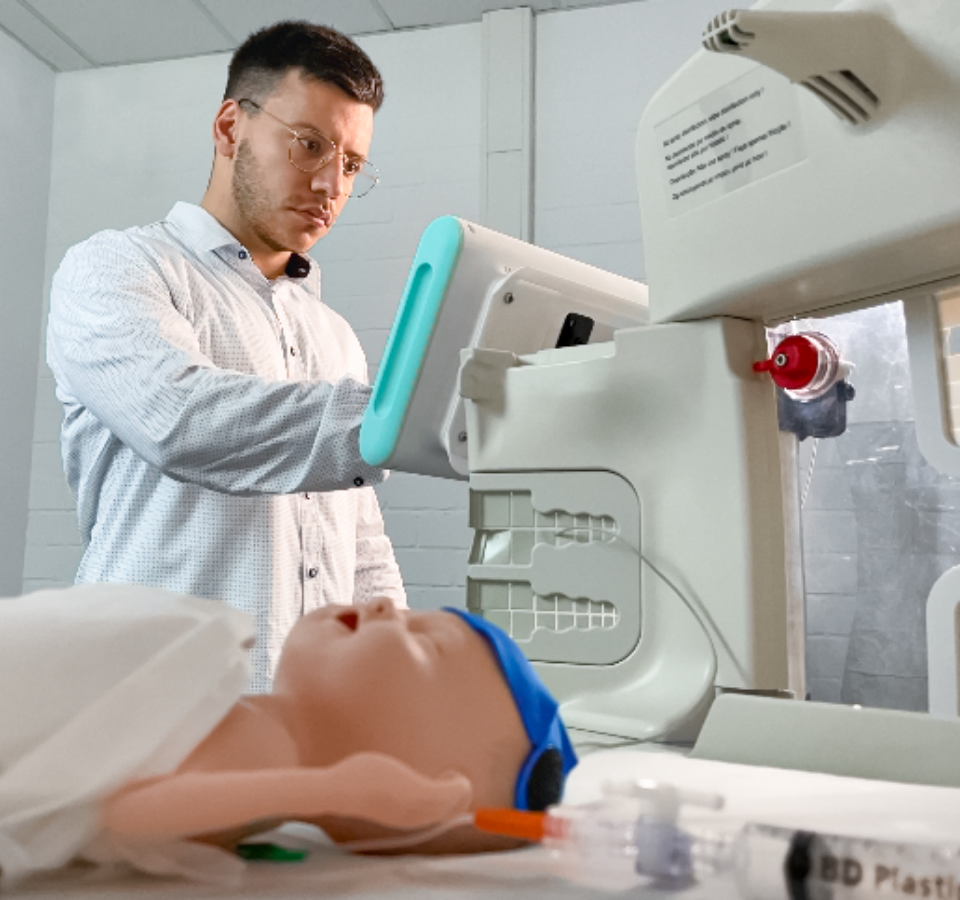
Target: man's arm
{"x": 119, "y": 346}
{"x": 367, "y": 786}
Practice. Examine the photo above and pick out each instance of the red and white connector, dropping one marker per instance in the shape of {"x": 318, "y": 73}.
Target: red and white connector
{"x": 805, "y": 365}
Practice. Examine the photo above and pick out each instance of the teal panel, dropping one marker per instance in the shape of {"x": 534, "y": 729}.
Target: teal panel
{"x": 403, "y": 358}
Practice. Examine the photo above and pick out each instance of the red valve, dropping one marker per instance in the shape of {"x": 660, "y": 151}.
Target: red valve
{"x": 806, "y": 364}
{"x": 793, "y": 363}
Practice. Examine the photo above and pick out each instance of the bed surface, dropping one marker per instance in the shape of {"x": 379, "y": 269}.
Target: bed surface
{"x": 826, "y": 803}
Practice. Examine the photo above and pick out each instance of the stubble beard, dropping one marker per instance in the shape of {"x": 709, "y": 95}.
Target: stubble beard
{"x": 251, "y": 200}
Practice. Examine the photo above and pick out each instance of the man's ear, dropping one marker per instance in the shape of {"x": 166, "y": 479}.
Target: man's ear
{"x": 225, "y": 128}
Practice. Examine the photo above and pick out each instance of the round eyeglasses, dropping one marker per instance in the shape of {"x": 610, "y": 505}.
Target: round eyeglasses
{"x": 310, "y": 151}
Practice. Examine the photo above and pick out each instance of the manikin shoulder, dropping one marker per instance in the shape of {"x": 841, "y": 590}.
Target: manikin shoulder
{"x": 250, "y": 736}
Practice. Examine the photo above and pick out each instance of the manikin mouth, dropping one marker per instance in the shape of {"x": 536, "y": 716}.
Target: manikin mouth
{"x": 349, "y": 618}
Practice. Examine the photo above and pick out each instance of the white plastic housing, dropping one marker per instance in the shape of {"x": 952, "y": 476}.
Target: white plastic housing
{"x": 661, "y": 444}
{"x": 758, "y": 201}
{"x": 503, "y": 294}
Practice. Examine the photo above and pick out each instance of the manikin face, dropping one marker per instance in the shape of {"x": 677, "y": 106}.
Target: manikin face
{"x": 422, "y": 687}
{"x": 276, "y": 207}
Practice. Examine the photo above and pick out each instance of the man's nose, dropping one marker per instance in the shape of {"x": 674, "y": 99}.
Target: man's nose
{"x": 330, "y": 180}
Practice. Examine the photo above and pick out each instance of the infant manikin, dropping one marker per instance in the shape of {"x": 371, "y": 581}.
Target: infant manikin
{"x": 380, "y": 722}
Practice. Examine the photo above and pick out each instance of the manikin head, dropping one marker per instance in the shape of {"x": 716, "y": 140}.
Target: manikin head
{"x": 429, "y": 689}
{"x": 290, "y": 77}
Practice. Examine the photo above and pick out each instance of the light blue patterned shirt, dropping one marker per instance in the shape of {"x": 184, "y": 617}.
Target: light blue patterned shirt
{"x": 211, "y": 425}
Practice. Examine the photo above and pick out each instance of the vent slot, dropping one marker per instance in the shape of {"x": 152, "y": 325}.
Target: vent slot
{"x": 521, "y": 613}
{"x": 803, "y": 46}
{"x": 865, "y": 91}
{"x": 725, "y": 34}
{"x": 830, "y": 102}
{"x": 848, "y": 96}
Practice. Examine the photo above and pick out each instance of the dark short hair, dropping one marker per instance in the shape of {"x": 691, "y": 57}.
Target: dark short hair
{"x": 262, "y": 61}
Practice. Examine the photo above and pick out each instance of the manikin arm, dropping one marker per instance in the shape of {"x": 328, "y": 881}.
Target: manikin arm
{"x": 368, "y": 786}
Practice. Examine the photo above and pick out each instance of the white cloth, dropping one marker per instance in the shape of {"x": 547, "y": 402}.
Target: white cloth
{"x": 100, "y": 685}
{"x": 211, "y": 427}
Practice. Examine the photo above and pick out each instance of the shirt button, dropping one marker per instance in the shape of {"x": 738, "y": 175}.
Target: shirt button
{"x": 313, "y": 573}
{"x": 306, "y": 496}
{"x": 242, "y": 254}
{"x": 358, "y": 481}
{"x": 293, "y": 351}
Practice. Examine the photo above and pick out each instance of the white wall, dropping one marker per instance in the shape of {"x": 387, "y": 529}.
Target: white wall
{"x": 26, "y": 117}
{"x": 597, "y": 69}
{"x": 128, "y": 142}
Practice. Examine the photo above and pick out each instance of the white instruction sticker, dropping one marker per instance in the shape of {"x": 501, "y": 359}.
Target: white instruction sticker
{"x": 733, "y": 136}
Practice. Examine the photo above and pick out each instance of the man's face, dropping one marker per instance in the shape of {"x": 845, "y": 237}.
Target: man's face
{"x": 278, "y": 205}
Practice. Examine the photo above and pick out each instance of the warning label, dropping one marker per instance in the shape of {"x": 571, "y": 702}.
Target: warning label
{"x": 736, "y": 135}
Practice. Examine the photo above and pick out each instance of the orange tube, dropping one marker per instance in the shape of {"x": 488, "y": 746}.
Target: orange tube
{"x": 511, "y": 822}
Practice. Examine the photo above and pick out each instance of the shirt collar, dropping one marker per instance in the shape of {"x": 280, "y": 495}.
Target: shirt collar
{"x": 202, "y": 233}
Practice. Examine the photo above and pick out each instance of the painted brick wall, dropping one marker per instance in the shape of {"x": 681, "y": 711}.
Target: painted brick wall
{"x": 26, "y": 117}
{"x": 597, "y": 69}
{"x": 128, "y": 143}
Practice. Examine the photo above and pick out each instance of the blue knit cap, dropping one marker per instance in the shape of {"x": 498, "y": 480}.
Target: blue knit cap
{"x": 541, "y": 778}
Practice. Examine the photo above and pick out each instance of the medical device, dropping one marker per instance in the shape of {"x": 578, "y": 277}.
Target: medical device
{"x": 473, "y": 287}
{"x": 634, "y": 835}
{"x": 572, "y": 461}
{"x": 631, "y": 527}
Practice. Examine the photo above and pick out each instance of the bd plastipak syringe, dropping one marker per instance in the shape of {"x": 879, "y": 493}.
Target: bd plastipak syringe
{"x": 633, "y": 833}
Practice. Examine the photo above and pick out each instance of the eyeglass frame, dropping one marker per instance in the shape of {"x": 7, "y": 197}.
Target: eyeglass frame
{"x": 373, "y": 174}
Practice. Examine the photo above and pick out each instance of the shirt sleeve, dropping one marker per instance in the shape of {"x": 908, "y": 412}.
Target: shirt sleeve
{"x": 377, "y": 573}
{"x": 119, "y": 347}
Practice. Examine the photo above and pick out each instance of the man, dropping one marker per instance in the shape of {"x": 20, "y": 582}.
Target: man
{"x": 212, "y": 403}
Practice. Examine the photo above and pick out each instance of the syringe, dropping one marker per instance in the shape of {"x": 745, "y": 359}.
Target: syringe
{"x": 633, "y": 833}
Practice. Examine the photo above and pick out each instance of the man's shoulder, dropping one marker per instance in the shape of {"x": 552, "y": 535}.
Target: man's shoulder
{"x": 137, "y": 239}
{"x": 142, "y": 248}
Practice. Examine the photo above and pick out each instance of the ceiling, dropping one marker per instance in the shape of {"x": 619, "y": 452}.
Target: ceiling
{"x": 70, "y": 35}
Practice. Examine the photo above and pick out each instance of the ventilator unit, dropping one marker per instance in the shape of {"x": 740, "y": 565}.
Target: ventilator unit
{"x": 631, "y": 527}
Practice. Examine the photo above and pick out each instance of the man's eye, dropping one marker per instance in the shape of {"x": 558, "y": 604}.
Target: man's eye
{"x": 312, "y": 146}
{"x": 352, "y": 166}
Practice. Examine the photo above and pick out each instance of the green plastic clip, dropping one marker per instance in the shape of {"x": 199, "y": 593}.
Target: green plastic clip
{"x": 270, "y": 853}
